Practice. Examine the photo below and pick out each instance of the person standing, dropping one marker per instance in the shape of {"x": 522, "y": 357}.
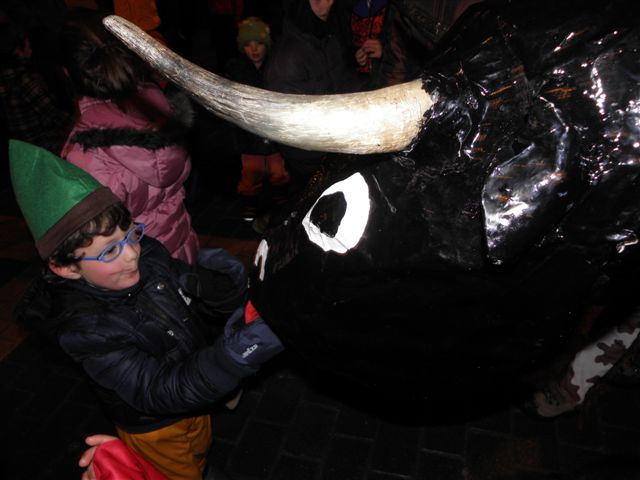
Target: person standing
{"x": 29, "y": 110}
{"x": 367, "y": 24}
{"x": 261, "y": 160}
{"x": 127, "y": 134}
{"x": 314, "y": 55}
{"x": 161, "y": 340}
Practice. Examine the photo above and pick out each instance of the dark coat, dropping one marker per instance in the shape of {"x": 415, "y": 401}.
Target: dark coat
{"x": 152, "y": 358}
{"x": 28, "y": 108}
{"x": 311, "y": 57}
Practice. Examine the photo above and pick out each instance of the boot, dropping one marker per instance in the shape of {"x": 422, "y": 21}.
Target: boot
{"x": 249, "y": 207}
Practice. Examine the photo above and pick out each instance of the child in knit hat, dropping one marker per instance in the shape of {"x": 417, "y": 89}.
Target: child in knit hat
{"x": 261, "y": 160}
{"x": 133, "y": 317}
{"x": 254, "y": 39}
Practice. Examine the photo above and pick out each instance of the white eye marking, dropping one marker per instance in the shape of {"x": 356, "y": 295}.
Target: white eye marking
{"x": 261, "y": 257}
{"x": 354, "y": 221}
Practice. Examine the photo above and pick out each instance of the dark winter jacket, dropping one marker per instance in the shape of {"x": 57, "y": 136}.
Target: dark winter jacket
{"x": 152, "y": 357}
{"x": 242, "y": 70}
{"x": 312, "y": 56}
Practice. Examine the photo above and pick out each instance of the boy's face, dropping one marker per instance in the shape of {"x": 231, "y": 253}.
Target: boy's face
{"x": 256, "y": 52}
{"x": 321, "y": 8}
{"x": 119, "y": 274}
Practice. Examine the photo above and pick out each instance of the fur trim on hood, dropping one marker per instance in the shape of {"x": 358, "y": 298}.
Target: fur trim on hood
{"x": 148, "y": 139}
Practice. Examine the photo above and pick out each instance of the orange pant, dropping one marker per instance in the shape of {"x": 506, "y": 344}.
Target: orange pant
{"x": 143, "y": 13}
{"x": 179, "y": 450}
{"x": 257, "y": 168}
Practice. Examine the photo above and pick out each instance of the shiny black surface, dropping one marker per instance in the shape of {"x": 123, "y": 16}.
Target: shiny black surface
{"x": 517, "y": 206}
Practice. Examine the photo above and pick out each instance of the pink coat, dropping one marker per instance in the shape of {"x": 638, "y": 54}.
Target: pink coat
{"x": 135, "y": 154}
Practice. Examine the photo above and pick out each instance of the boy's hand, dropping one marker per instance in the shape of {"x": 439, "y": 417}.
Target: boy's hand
{"x": 248, "y": 340}
{"x": 371, "y": 48}
{"x": 86, "y": 460}
{"x": 361, "y": 57}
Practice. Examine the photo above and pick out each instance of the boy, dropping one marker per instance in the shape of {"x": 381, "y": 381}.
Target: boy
{"x": 260, "y": 158}
{"x": 118, "y": 304}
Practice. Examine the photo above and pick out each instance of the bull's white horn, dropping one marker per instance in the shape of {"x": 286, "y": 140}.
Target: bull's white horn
{"x": 384, "y": 120}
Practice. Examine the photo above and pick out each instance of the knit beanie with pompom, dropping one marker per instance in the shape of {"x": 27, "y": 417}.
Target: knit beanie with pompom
{"x": 253, "y": 28}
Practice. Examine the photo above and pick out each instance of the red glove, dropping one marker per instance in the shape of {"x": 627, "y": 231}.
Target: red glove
{"x": 250, "y": 313}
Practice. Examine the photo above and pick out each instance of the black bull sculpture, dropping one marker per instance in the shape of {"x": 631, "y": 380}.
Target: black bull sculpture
{"x": 466, "y": 257}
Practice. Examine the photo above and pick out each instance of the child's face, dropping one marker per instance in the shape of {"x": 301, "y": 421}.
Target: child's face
{"x": 256, "y": 52}
{"x": 119, "y": 274}
{"x": 321, "y": 8}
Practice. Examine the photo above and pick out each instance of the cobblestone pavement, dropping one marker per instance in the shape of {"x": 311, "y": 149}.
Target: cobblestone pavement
{"x": 292, "y": 426}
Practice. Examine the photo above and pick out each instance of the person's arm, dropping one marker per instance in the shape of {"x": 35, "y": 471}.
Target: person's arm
{"x": 154, "y": 385}
{"x": 217, "y": 282}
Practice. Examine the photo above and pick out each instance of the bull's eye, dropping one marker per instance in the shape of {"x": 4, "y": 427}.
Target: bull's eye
{"x": 337, "y": 220}
{"x": 328, "y": 213}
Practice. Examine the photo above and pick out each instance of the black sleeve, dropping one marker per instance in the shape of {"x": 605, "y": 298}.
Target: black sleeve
{"x": 217, "y": 283}
{"x": 152, "y": 384}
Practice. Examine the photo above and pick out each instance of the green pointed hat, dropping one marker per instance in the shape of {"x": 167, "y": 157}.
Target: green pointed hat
{"x": 56, "y": 197}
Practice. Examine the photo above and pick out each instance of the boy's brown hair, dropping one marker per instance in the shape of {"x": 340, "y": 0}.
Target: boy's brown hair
{"x": 104, "y": 223}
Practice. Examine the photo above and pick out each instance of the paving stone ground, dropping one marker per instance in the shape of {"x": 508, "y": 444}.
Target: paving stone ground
{"x": 286, "y": 428}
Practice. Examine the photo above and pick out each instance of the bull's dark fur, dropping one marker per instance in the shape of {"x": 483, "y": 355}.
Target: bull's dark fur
{"x": 517, "y": 208}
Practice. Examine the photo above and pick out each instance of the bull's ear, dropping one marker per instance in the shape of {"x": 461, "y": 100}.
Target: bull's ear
{"x": 379, "y": 121}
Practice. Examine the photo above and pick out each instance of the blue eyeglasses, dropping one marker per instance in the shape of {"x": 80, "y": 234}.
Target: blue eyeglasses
{"x": 113, "y": 250}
